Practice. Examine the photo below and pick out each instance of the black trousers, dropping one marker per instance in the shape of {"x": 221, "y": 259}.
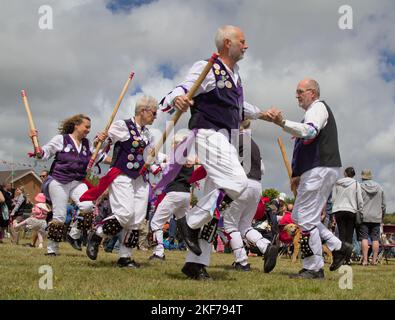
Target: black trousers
{"x": 345, "y": 221}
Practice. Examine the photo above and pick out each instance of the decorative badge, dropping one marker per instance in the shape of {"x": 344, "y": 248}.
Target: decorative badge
{"x": 130, "y": 157}
{"x": 135, "y": 144}
{"x": 129, "y": 166}
{"x": 228, "y": 84}
{"x": 217, "y": 72}
{"x": 220, "y": 84}
{"x": 223, "y": 72}
{"x": 68, "y": 148}
{"x": 139, "y": 157}
{"x": 132, "y": 132}
{"x": 136, "y": 165}
{"x": 216, "y": 66}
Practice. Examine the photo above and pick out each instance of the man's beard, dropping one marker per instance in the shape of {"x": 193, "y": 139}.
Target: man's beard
{"x": 235, "y": 53}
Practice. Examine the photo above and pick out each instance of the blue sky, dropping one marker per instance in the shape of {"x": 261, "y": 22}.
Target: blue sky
{"x": 118, "y": 6}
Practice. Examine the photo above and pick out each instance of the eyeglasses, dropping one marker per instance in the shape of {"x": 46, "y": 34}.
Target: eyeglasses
{"x": 300, "y": 91}
{"x": 44, "y": 176}
{"x": 153, "y": 112}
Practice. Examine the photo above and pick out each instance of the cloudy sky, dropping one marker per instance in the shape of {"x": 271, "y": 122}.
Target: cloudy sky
{"x": 81, "y": 64}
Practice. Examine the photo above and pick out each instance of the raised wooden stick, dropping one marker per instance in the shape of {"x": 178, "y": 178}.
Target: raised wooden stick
{"x": 178, "y": 113}
{"x": 37, "y": 149}
{"x": 286, "y": 162}
{"x": 99, "y": 144}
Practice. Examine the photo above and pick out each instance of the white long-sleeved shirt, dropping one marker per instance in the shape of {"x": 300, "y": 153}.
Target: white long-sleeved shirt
{"x": 56, "y": 144}
{"x": 315, "y": 119}
{"x": 208, "y": 84}
{"x": 120, "y": 132}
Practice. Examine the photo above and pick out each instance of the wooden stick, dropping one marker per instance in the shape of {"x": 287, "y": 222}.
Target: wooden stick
{"x": 178, "y": 113}
{"x": 37, "y": 149}
{"x": 286, "y": 162}
{"x": 99, "y": 144}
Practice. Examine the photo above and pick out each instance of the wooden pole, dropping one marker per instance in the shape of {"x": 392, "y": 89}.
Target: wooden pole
{"x": 37, "y": 149}
{"x": 99, "y": 144}
{"x": 286, "y": 162}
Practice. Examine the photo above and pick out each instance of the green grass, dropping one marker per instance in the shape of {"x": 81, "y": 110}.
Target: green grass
{"x": 78, "y": 278}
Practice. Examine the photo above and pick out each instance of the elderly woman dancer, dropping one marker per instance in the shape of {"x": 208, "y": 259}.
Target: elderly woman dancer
{"x": 72, "y": 152}
{"x": 129, "y": 190}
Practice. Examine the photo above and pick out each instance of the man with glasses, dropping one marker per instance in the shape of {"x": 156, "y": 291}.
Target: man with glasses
{"x": 315, "y": 168}
{"x": 128, "y": 192}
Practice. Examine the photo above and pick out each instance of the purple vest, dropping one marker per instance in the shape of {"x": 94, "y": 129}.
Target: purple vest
{"x": 128, "y": 155}
{"x": 220, "y": 108}
{"x": 69, "y": 165}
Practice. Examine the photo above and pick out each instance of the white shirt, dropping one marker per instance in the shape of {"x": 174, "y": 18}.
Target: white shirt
{"x": 209, "y": 84}
{"x": 56, "y": 144}
{"x": 120, "y": 132}
{"x": 315, "y": 119}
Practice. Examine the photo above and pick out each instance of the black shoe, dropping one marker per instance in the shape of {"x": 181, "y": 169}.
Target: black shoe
{"x": 127, "y": 262}
{"x": 92, "y": 246}
{"x": 239, "y": 267}
{"x": 156, "y": 257}
{"x": 270, "y": 258}
{"x": 203, "y": 270}
{"x": 28, "y": 245}
{"x": 107, "y": 250}
{"x": 75, "y": 243}
{"x": 195, "y": 271}
{"x": 308, "y": 274}
{"x": 50, "y": 254}
{"x": 339, "y": 256}
{"x": 189, "y": 235}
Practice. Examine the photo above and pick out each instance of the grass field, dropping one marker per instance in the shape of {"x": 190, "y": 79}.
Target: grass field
{"x": 76, "y": 277}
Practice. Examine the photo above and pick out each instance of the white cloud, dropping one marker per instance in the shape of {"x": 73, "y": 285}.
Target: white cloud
{"x": 82, "y": 64}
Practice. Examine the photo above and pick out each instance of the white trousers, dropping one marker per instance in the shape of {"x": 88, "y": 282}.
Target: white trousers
{"x": 128, "y": 200}
{"x": 176, "y": 203}
{"x": 238, "y": 219}
{"x": 60, "y": 195}
{"x": 313, "y": 192}
{"x": 221, "y": 161}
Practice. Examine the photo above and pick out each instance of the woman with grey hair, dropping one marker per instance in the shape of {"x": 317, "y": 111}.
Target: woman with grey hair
{"x": 129, "y": 190}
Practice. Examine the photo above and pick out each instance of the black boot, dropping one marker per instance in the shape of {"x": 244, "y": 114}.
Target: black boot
{"x": 195, "y": 271}
{"x": 270, "y": 258}
{"x": 308, "y": 274}
{"x": 92, "y": 246}
{"x": 339, "y": 256}
{"x": 128, "y": 263}
{"x": 190, "y": 236}
{"x": 75, "y": 243}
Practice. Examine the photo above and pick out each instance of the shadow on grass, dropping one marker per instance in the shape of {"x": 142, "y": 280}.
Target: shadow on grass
{"x": 215, "y": 275}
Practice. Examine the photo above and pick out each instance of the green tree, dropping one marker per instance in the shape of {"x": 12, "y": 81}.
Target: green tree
{"x": 271, "y": 193}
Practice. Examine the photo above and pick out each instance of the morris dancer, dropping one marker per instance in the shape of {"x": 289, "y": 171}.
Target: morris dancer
{"x": 128, "y": 192}
{"x": 72, "y": 151}
{"x": 315, "y": 168}
{"x": 176, "y": 201}
{"x": 239, "y": 215}
{"x": 218, "y": 105}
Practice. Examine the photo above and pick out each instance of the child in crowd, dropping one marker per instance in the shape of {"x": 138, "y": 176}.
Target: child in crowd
{"x": 36, "y": 221}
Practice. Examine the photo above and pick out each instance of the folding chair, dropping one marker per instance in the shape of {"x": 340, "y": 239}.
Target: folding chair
{"x": 387, "y": 241}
